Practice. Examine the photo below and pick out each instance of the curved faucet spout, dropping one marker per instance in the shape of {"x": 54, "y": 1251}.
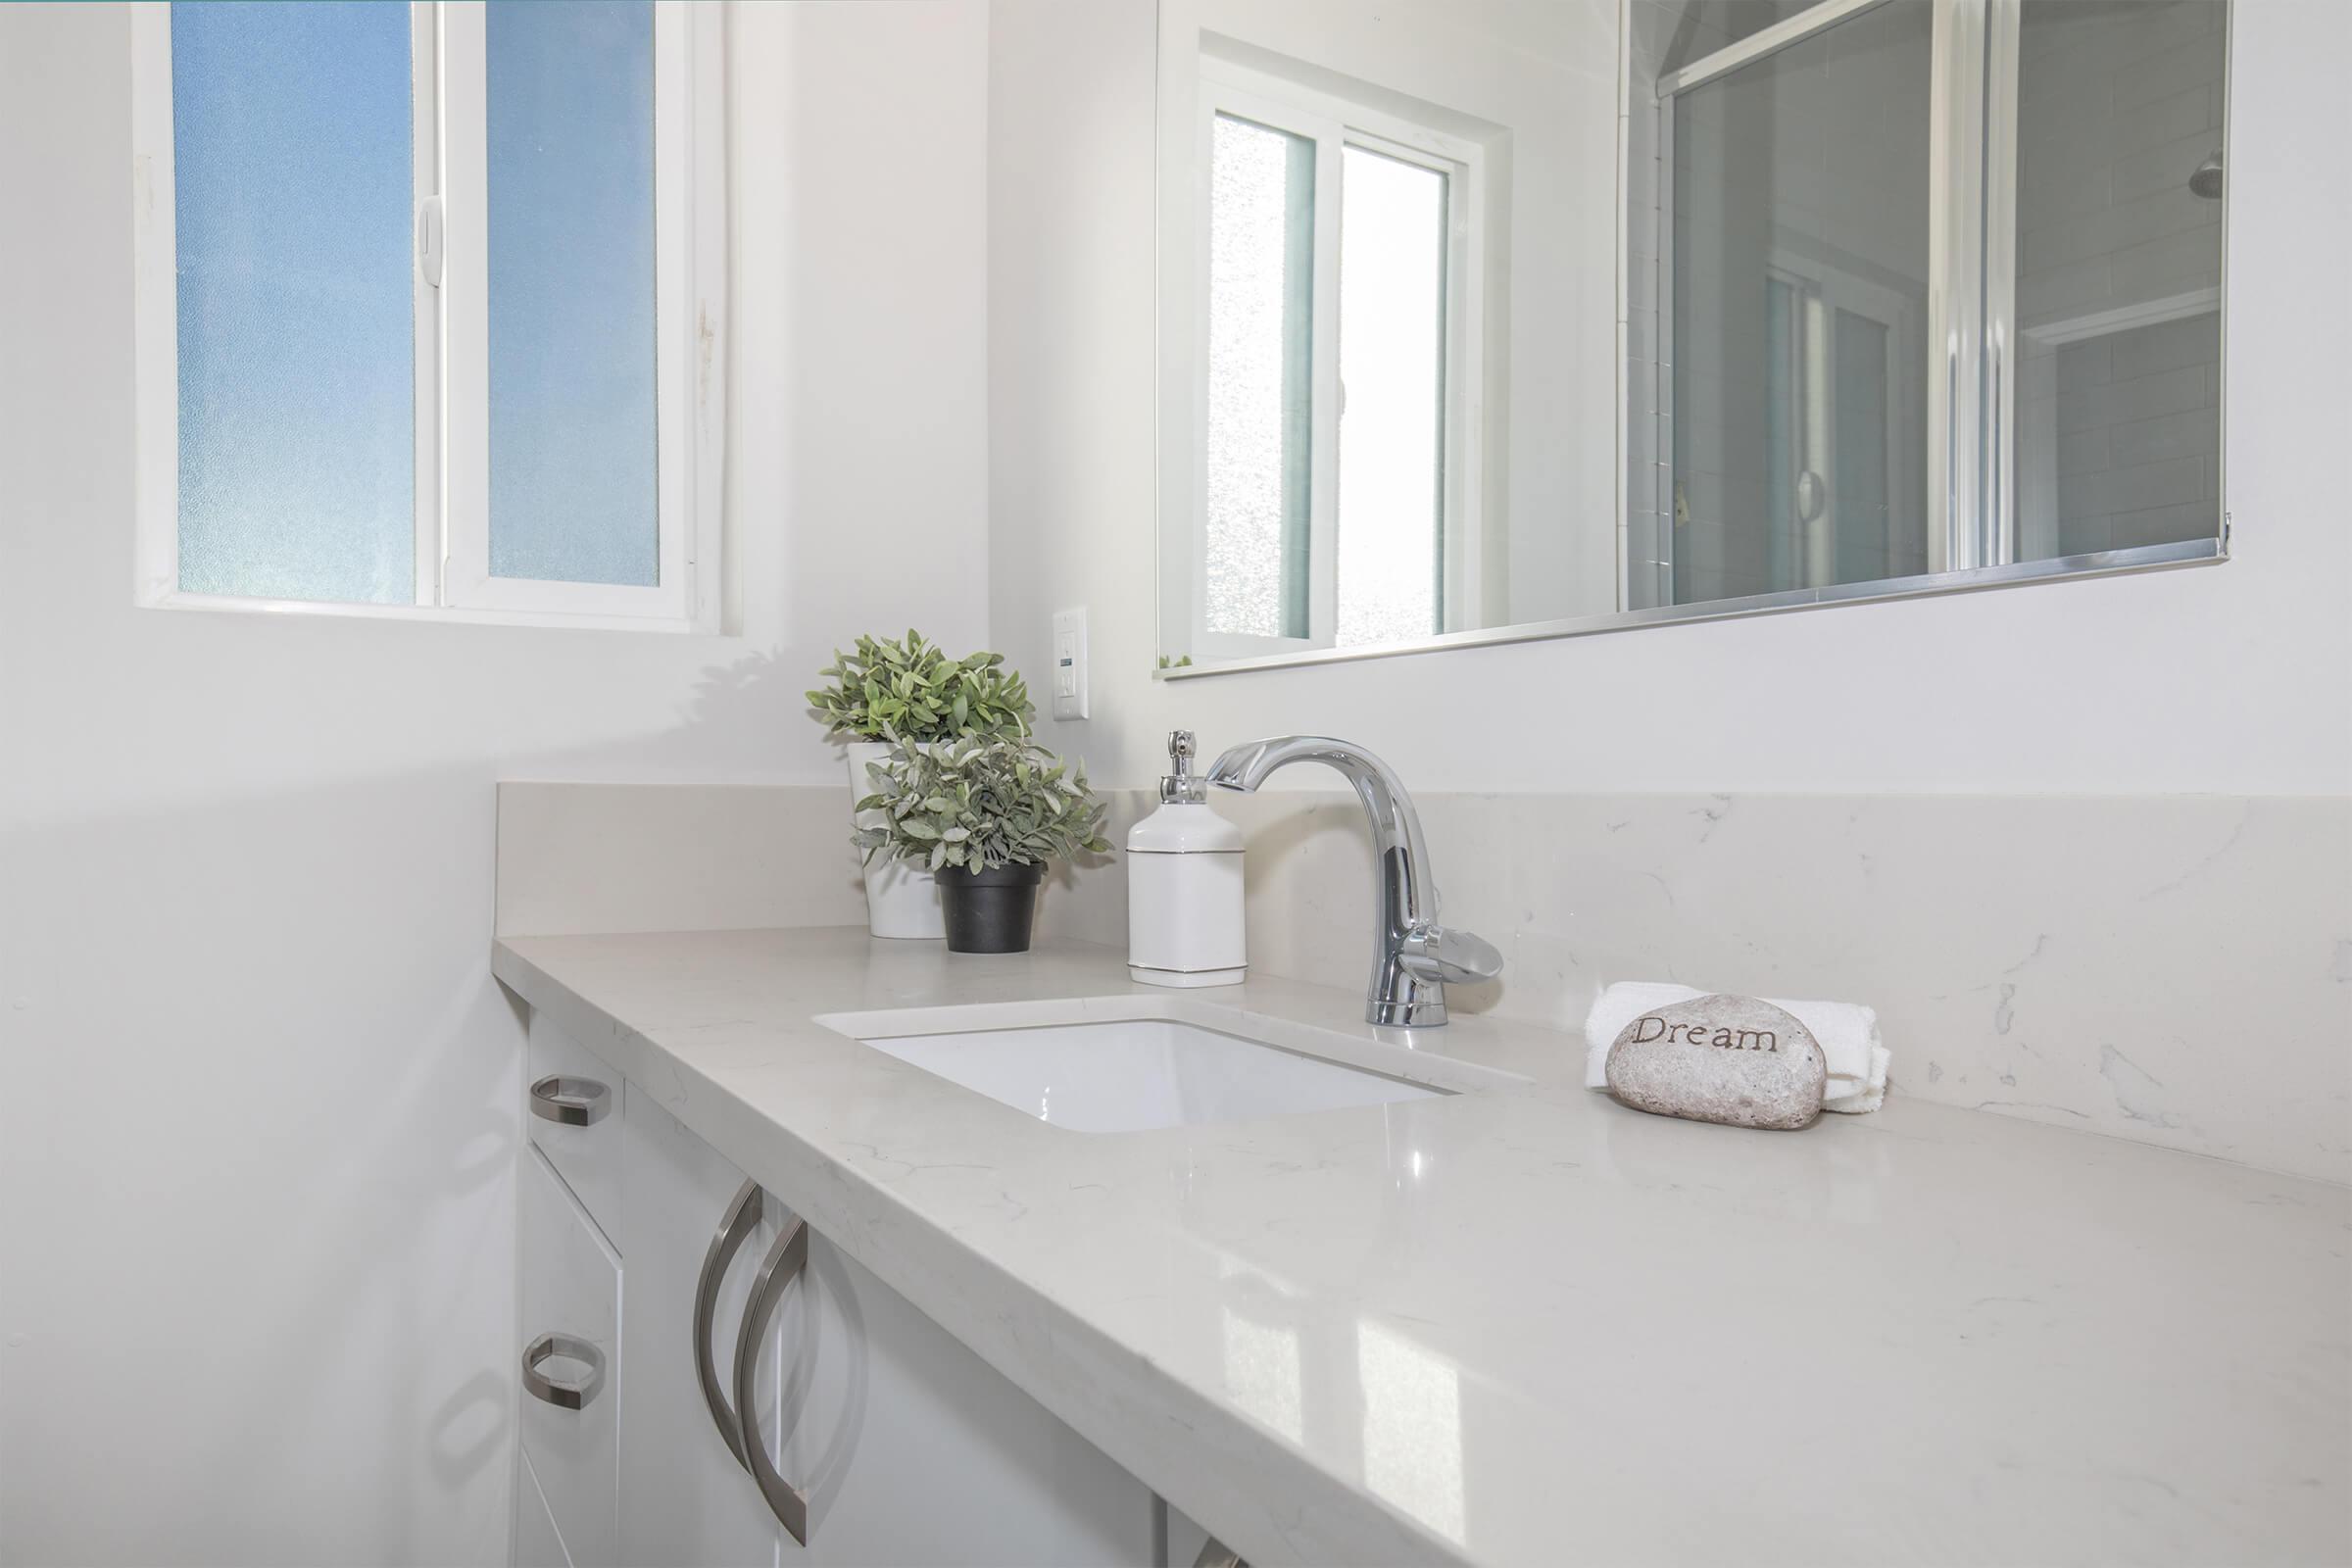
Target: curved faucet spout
{"x": 1396, "y": 825}
{"x": 1407, "y": 987}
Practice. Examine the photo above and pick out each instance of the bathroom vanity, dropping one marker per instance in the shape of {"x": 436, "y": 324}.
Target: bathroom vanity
{"x": 668, "y": 1293}
{"x": 1428, "y": 1300}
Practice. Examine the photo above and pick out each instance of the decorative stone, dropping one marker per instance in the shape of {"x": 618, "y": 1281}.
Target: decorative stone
{"x": 1731, "y": 1059}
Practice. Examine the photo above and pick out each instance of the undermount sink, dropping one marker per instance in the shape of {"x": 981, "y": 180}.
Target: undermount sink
{"x": 1132, "y": 1073}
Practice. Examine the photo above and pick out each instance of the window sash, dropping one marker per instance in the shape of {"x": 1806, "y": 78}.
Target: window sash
{"x": 426, "y": 143}
{"x": 451, "y": 341}
{"x": 1323, "y": 366}
{"x": 1463, "y": 387}
{"x": 1333, "y": 124}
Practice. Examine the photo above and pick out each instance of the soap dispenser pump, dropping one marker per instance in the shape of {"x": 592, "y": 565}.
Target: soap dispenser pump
{"x": 1183, "y": 885}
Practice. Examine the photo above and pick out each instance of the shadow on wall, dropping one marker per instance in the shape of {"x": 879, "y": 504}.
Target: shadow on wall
{"x": 278, "y": 1206}
{"x": 763, "y": 694}
{"x": 729, "y": 729}
{"x": 281, "y": 1209}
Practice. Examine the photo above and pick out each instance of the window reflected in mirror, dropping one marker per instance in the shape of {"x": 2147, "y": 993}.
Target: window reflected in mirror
{"x": 1336, "y": 437}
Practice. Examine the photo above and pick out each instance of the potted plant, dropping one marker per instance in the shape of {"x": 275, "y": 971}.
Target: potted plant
{"x": 984, "y": 814}
{"x": 904, "y": 692}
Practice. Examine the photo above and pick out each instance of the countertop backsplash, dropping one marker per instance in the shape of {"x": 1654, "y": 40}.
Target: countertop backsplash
{"x": 2176, "y": 969}
{"x": 2055, "y": 957}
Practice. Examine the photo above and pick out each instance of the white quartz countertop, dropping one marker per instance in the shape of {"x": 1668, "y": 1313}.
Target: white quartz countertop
{"x": 1532, "y": 1326}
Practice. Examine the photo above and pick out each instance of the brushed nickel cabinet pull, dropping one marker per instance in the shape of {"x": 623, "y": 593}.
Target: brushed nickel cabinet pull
{"x": 734, "y": 1228}
{"x": 786, "y": 1261}
{"x": 571, "y": 1393}
{"x": 573, "y": 1101}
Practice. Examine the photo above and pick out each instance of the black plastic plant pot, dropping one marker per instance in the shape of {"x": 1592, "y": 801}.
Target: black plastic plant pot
{"x": 991, "y": 910}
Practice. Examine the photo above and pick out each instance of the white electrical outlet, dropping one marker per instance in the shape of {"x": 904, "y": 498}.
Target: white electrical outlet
{"x": 1069, "y": 663}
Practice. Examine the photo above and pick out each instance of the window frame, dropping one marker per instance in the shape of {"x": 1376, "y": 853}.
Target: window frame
{"x": 1333, "y": 123}
{"x": 451, "y": 341}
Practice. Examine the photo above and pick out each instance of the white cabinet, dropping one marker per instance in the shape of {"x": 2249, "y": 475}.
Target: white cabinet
{"x": 537, "y": 1542}
{"x": 572, "y": 1363}
{"x": 685, "y": 1501}
{"x": 912, "y": 1449}
{"x": 574, "y": 1104}
{"x": 907, "y": 1447}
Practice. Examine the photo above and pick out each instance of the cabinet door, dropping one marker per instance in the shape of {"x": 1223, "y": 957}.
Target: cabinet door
{"x": 1186, "y": 1539}
{"x": 574, "y": 1104}
{"x": 685, "y": 1499}
{"x": 573, "y": 1360}
{"x": 538, "y": 1545}
{"x": 912, "y": 1449}
{"x": 909, "y": 1448}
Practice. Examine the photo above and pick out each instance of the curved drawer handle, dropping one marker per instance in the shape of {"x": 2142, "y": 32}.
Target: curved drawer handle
{"x": 573, "y": 1101}
{"x": 740, "y": 1219}
{"x": 565, "y": 1394}
{"x": 786, "y": 1261}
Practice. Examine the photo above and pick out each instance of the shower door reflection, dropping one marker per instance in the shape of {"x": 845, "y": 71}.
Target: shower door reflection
{"x": 2118, "y": 177}
{"x": 1943, "y": 290}
{"x": 1835, "y": 398}
{"x": 1799, "y": 249}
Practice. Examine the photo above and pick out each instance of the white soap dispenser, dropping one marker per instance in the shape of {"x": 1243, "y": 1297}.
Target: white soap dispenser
{"x": 1183, "y": 885}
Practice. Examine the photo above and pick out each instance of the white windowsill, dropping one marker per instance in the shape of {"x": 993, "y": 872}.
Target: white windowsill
{"x": 434, "y": 613}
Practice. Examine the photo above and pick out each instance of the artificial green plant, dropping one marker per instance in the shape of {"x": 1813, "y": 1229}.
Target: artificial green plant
{"x": 980, "y": 803}
{"x": 908, "y": 691}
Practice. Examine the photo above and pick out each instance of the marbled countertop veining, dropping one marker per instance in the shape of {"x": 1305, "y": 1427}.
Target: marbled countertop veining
{"x": 1532, "y": 1326}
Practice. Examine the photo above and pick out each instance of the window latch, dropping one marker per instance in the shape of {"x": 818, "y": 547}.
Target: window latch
{"x": 429, "y": 248}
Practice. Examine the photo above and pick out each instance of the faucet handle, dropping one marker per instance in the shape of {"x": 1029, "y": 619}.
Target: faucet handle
{"x": 1455, "y": 957}
{"x": 1180, "y": 784}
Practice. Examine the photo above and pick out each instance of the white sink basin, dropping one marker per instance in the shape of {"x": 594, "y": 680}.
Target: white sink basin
{"x": 1126, "y": 1074}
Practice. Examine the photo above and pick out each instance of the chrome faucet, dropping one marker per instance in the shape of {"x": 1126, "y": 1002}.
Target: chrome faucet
{"x": 1412, "y": 956}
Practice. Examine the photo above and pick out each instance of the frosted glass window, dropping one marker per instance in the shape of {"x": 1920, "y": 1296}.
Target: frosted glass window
{"x": 1393, "y": 398}
{"x": 296, "y": 317}
{"x": 572, "y": 492}
{"x": 1260, "y": 375}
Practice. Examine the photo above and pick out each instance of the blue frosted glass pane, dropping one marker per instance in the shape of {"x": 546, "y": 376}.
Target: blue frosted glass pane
{"x": 290, "y": 133}
{"x": 571, "y": 292}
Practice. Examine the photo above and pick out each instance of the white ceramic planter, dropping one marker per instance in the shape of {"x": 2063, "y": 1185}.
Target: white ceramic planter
{"x": 901, "y": 900}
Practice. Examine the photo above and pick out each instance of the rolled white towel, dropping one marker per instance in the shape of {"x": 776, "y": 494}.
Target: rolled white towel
{"x": 1848, "y": 1033}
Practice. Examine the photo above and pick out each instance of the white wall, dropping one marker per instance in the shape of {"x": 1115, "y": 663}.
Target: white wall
{"x": 2239, "y": 671}
{"x": 259, "y": 1095}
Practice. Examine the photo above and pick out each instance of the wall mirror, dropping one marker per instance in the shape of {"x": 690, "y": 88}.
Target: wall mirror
{"x": 1489, "y": 320}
